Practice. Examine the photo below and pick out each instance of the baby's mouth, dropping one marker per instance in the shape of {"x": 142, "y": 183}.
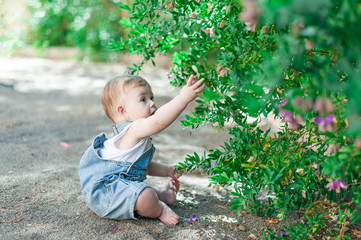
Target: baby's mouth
{"x": 153, "y": 113}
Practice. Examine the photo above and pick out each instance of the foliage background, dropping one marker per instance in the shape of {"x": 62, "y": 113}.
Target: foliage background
{"x": 84, "y": 25}
{"x": 296, "y": 59}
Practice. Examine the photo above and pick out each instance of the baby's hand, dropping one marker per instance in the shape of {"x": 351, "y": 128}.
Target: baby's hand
{"x": 193, "y": 88}
{"x": 173, "y": 172}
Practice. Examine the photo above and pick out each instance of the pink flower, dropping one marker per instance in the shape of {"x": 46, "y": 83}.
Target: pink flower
{"x": 303, "y": 104}
{"x": 64, "y": 144}
{"x": 323, "y": 105}
{"x": 228, "y": 9}
{"x": 250, "y": 14}
{"x": 264, "y": 30}
{"x": 309, "y": 44}
{"x": 198, "y": 1}
{"x": 210, "y": 31}
{"x": 331, "y": 149}
{"x": 219, "y": 68}
{"x": 223, "y": 73}
{"x": 358, "y": 143}
{"x": 304, "y": 194}
{"x": 169, "y": 4}
{"x": 221, "y": 24}
{"x": 193, "y": 15}
{"x": 251, "y": 159}
{"x": 336, "y": 185}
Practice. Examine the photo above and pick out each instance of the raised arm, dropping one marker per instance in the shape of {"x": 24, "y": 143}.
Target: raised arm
{"x": 168, "y": 113}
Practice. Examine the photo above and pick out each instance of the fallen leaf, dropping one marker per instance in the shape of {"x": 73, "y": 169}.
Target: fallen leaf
{"x": 242, "y": 228}
{"x": 272, "y": 221}
{"x": 221, "y": 206}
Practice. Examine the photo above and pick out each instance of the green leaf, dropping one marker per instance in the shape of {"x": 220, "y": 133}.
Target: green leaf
{"x": 124, "y": 6}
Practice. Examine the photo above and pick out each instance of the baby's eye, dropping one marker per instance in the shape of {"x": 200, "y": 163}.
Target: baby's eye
{"x": 143, "y": 99}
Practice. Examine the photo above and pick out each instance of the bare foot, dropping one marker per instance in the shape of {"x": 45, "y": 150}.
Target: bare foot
{"x": 168, "y": 216}
{"x": 169, "y": 194}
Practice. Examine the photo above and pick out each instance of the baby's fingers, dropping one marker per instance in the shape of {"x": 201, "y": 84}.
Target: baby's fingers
{"x": 198, "y": 83}
{"x": 191, "y": 80}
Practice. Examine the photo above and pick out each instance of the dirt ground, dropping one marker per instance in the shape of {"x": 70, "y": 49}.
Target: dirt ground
{"x": 46, "y": 103}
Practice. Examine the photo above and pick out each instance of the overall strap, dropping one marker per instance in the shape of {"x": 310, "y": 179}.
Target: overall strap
{"x": 119, "y": 127}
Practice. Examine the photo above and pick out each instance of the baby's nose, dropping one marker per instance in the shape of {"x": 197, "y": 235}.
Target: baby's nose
{"x": 152, "y": 104}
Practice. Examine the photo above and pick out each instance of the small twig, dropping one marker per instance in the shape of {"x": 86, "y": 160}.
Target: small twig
{"x": 343, "y": 228}
{"x": 7, "y": 210}
{"x": 58, "y": 186}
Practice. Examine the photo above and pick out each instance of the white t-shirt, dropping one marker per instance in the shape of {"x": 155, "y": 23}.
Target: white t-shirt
{"x": 111, "y": 152}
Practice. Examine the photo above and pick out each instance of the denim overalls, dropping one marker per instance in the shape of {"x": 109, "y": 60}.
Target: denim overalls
{"x": 111, "y": 188}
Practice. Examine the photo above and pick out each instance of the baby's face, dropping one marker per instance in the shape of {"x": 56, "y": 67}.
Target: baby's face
{"x": 139, "y": 102}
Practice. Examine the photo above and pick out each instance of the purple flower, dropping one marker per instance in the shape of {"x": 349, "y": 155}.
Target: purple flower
{"x": 319, "y": 120}
{"x": 283, "y": 233}
{"x": 284, "y": 102}
{"x": 289, "y": 118}
{"x": 129, "y": 71}
{"x": 326, "y": 124}
{"x": 192, "y": 219}
{"x": 336, "y": 185}
{"x": 329, "y": 119}
{"x": 168, "y": 74}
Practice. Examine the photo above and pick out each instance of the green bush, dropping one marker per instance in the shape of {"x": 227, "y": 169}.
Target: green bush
{"x": 84, "y": 24}
{"x": 297, "y": 59}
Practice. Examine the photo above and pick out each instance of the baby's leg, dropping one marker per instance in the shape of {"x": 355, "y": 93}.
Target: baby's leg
{"x": 169, "y": 194}
{"x": 149, "y": 205}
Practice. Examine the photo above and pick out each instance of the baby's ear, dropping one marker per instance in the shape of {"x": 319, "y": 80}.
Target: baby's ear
{"x": 120, "y": 110}
{"x": 122, "y": 113}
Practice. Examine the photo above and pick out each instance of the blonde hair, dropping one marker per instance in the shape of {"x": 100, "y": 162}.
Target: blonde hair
{"x": 115, "y": 88}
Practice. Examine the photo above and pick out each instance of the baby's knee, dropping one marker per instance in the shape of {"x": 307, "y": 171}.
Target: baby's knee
{"x": 148, "y": 204}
